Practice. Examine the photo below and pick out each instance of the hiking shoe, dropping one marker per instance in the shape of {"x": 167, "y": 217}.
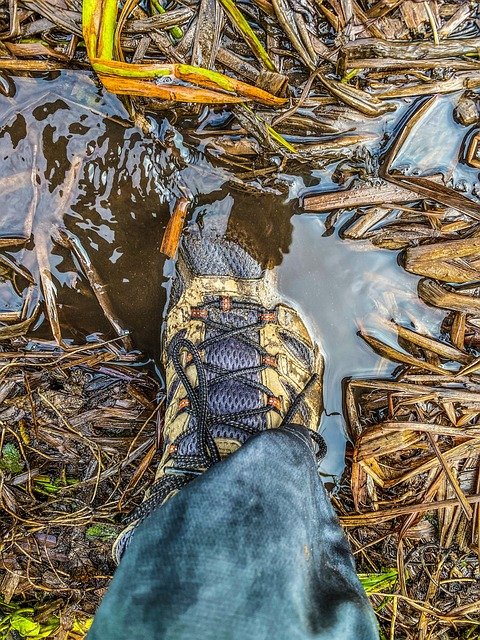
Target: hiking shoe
{"x": 237, "y": 361}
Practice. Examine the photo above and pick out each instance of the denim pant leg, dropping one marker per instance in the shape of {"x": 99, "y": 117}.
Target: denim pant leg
{"x": 250, "y": 550}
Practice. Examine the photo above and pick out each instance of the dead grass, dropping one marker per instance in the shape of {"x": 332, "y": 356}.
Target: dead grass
{"x": 412, "y": 503}
{"x": 78, "y": 433}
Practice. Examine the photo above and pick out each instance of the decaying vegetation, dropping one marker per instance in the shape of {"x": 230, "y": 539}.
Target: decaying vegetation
{"x": 306, "y": 70}
{"x": 79, "y": 429}
{"x": 291, "y": 81}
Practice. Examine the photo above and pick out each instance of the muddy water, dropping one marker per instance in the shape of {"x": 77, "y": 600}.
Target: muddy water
{"x": 70, "y": 157}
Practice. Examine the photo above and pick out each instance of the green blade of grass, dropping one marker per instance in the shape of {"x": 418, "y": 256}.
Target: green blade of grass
{"x": 280, "y": 139}
{"x": 188, "y": 73}
{"x": 248, "y": 34}
{"x": 375, "y": 582}
{"x": 271, "y": 132}
{"x": 172, "y": 92}
{"x": 222, "y": 81}
{"x": 107, "y": 29}
{"x": 91, "y": 24}
{"x": 181, "y": 71}
{"x": 206, "y": 77}
{"x": 125, "y": 70}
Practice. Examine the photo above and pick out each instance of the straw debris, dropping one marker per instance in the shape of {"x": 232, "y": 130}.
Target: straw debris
{"x": 413, "y": 501}
{"x": 76, "y": 428}
{"x": 281, "y": 57}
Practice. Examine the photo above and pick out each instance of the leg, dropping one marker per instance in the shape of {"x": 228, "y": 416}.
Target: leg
{"x": 251, "y": 549}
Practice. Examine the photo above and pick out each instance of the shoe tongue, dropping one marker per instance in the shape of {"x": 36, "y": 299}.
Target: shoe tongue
{"x": 233, "y": 394}
{"x": 231, "y": 353}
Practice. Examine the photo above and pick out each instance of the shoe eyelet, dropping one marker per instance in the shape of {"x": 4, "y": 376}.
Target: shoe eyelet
{"x": 198, "y": 312}
{"x": 226, "y": 304}
{"x": 275, "y": 402}
{"x": 268, "y": 316}
{"x": 183, "y": 403}
{"x": 270, "y": 361}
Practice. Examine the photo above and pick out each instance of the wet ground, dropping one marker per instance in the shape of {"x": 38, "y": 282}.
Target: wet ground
{"x": 70, "y": 157}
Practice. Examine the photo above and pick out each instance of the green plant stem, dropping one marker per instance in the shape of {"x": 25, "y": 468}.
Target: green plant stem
{"x": 176, "y": 31}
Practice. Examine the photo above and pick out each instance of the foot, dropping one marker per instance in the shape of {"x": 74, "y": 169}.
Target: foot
{"x": 237, "y": 361}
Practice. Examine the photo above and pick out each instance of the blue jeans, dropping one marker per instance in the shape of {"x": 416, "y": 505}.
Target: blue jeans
{"x": 250, "y": 550}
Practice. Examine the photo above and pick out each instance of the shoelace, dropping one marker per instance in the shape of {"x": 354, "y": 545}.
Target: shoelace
{"x": 186, "y": 467}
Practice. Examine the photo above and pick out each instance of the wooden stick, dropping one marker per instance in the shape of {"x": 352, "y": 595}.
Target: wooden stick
{"x": 173, "y": 232}
{"x": 359, "y": 197}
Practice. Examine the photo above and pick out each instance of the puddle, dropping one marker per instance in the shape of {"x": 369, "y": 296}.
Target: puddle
{"x": 343, "y": 286}
{"x": 437, "y": 145}
{"x": 111, "y": 187}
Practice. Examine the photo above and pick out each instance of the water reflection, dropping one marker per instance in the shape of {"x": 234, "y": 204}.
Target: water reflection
{"x": 71, "y": 158}
{"x": 343, "y": 286}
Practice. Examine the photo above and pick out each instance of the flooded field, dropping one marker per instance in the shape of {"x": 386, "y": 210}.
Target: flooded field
{"x": 71, "y": 160}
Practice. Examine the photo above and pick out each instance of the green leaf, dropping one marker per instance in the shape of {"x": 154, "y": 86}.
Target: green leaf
{"x": 82, "y": 626}
{"x": 101, "y": 532}
{"x": 26, "y": 627}
{"x": 11, "y": 459}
